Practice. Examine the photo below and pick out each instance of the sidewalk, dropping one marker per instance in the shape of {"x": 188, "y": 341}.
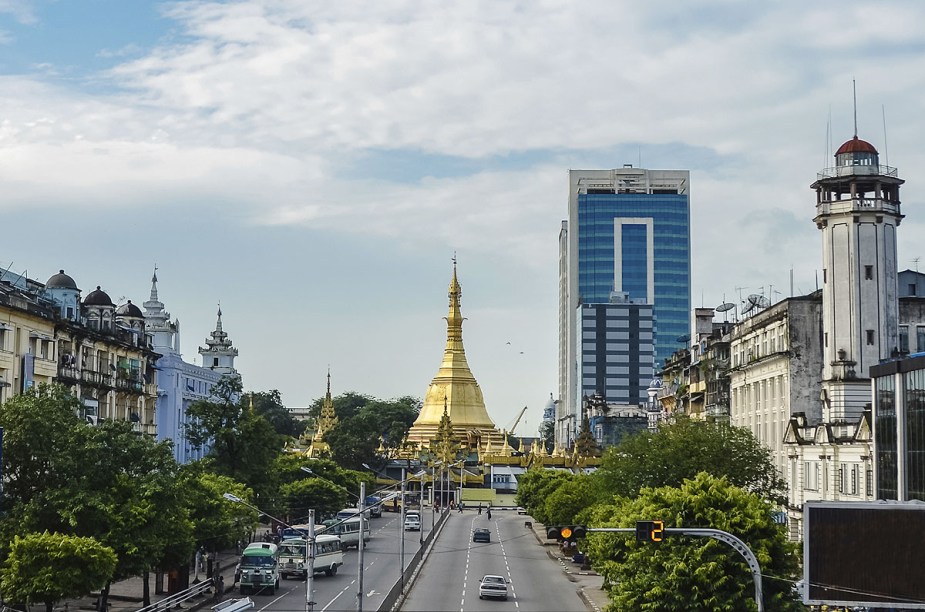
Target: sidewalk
{"x": 127, "y": 595}
{"x": 588, "y": 582}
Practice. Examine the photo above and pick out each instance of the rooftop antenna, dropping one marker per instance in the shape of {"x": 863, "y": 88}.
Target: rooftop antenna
{"x": 915, "y": 260}
{"x": 828, "y": 138}
{"x": 854, "y": 92}
{"x": 886, "y": 148}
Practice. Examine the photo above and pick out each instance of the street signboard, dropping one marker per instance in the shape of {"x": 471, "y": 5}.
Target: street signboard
{"x": 864, "y": 554}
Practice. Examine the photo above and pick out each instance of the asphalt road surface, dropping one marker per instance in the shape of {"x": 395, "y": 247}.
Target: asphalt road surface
{"x": 339, "y": 592}
{"x": 449, "y": 579}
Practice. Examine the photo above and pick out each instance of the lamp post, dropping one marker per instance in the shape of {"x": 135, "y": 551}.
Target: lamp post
{"x": 309, "y": 546}
{"x": 421, "y": 530}
{"x": 361, "y": 545}
{"x": 401, "y": 532}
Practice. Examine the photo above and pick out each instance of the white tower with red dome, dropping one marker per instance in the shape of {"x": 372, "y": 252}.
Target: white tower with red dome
{"x": 857, "y": 209}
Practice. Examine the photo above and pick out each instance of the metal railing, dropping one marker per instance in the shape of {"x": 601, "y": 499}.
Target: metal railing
{"x": 197, "y": 590}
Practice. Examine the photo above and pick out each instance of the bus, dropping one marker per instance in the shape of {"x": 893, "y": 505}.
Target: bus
{"x": 329, "y": 556}
{"x": 348, "y": 531}
{"x": 260, "y": 568}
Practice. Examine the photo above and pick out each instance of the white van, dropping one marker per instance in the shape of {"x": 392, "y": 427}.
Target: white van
{"x": 349, "y": 532}
{"x": 328, "y": 556}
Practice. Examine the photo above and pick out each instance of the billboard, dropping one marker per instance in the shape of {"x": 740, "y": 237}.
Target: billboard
{"x": 864, "y": 554}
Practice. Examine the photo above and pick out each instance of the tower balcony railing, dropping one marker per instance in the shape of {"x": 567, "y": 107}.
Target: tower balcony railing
{"x": 838, "y": 171}
{"x": 96, "y": 378}
{"x": 857, "y": 204}
{"x": 130, "y": 385}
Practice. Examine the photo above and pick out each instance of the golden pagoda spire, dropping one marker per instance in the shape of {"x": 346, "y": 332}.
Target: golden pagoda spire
{"x": 327, "y": 421}
{"x": 445, "y": 445}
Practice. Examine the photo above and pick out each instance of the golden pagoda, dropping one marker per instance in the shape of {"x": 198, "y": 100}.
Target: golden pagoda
{"x": 327, "y": 420}
{"x": 454, "y": 391}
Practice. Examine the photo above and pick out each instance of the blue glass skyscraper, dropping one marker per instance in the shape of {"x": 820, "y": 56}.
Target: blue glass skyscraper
{"x": 627, "y": 233}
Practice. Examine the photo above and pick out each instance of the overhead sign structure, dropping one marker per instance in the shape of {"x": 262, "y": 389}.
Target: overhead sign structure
{"x": 864, "y": 554}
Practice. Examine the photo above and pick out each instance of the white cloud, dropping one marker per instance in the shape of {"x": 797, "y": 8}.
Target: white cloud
{"x": 263, "y": 106}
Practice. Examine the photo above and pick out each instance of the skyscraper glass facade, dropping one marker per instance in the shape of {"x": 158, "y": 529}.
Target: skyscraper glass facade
{"x": 598, "y": 214}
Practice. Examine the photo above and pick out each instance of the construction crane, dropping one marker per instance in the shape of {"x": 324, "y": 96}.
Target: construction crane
{"x": 517, "y": 420}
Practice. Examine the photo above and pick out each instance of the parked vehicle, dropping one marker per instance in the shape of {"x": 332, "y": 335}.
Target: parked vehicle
{"x": 260, "y": 568}
{"x": 295, "y": 531}
{"x": 492, "y": 586}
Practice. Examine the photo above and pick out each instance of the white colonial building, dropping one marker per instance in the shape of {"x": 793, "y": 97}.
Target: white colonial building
{"x": 179, "y": 383}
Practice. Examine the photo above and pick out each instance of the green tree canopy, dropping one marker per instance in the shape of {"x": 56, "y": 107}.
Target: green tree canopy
{"x": 217, "y": 523}
{"x": 680, "y": 451}
{"x": 534, "y": 488}
{"x": 687, "y": 573}
{"x": 48, "y": 567}
{"x": 269, "y": 404}
{"x": 244, "y": 444}
{"x": 365, "y": 421}
{"x": 569, "y": 500}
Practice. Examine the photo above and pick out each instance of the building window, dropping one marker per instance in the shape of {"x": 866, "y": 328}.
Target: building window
{"x": 903, "y": 338}
{"x": 855, "y": 475}
{"x": 2, "y": 338}
{"x": 811, "y": 470}
{"x": 842, "y": 478}
{"x": 911, "y": 288}
{"x": 868, "y": 272}
{"x": 870, "y": 337}
{"x": 824, "y": 276}
{"x": 826, "y": 335}
{"x": 869, "y": 482}
{"x": 920, "y": 337}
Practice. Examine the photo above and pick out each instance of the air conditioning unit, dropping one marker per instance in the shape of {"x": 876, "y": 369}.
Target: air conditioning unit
{"x": 92, "y": 419}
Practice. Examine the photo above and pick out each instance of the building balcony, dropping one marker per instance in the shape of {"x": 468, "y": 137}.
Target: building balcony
{"x": 96, "y": 379}
{"x": 68, "y": 375}
{"x": 129, "y": 385}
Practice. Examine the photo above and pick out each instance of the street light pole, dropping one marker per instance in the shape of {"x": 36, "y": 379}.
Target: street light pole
{"x": 433, "y": 496}
{"x": 401, "y": 531}
{"x": 421, "y": 531}
{"x": 361, "y": 504}
{"x": 310, "y": 559}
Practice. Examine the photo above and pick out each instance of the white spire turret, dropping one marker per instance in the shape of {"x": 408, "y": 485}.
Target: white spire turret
{"x": 219, "y": 354}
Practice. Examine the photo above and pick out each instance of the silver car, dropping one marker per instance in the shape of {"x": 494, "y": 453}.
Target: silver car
{"x": 492, "y": 586}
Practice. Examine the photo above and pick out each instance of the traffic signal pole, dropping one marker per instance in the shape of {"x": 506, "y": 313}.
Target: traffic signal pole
{"x": 717, "y": 534}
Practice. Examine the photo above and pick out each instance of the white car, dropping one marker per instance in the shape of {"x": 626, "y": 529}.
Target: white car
{"x": 492, "y": 586}
{"x": 412, "y": 523}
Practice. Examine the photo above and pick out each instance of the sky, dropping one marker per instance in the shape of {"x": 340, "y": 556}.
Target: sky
{"x": 314, "y": 166}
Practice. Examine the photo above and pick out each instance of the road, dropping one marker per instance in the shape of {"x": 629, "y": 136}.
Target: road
{"x": 338, "y": 592}
{"x": 449, "y": 579}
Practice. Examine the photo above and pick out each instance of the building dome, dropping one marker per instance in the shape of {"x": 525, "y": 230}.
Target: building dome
{"x": 856, "y": 145}
{"x": 98, "y": 297}
{"x": 129, "y": 310}
{"x": 61, "y": 281}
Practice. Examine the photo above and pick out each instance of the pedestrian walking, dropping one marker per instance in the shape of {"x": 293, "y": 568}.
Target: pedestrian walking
{"x": 480, "y": 509}
{"x": 489, "y": 513}
{"x": 219, "y": 587}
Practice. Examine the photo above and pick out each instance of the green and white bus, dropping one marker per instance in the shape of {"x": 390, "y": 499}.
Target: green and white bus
{"x": 329, "y": 555}
{"x": 260, "y": 568}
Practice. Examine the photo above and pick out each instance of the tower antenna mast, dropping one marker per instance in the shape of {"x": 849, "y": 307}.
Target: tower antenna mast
{"x": 854, "y": 93}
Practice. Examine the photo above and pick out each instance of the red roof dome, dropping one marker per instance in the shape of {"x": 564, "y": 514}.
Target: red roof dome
{"x": 856, "y": 145}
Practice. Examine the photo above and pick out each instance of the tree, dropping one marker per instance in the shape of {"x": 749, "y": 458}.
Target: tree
{"x": 270, "y": 406}
{"x": 681, "y": 450}
{"x": 365, "y": 423}
{"x": 535, "y": 486}
{"x": 48, "y": 567}
{"x": 687, "y": 573}
{"x": 569, "y": 500}
{"x": 244, "y": 444}
{"x": 217, "y": 523}
{"x": 317, "y": 494}
{"x": 124, "y": 493}
{"x": 38, "y": 428}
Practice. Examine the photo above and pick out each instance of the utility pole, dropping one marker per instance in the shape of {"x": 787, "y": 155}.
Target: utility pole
{"x": 401, "y": 531}
{"x": 310, "y": 559}
{"x": 361, "y": 545}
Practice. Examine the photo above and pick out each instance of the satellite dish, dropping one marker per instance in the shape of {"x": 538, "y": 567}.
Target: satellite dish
{"x": 684, "y": 338}
{"x": 724, "y": 307}
{"x": 756, "y": 302}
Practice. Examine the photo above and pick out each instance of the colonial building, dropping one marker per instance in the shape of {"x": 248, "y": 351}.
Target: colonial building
{"x": 101, "y": 351}
{"x": 776, "y": 360}
{"x": 181, "y": 383}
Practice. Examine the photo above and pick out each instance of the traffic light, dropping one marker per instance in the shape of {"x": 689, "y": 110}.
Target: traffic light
{"x": 650, "y": 531}
{"x": 567, "y": 533}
